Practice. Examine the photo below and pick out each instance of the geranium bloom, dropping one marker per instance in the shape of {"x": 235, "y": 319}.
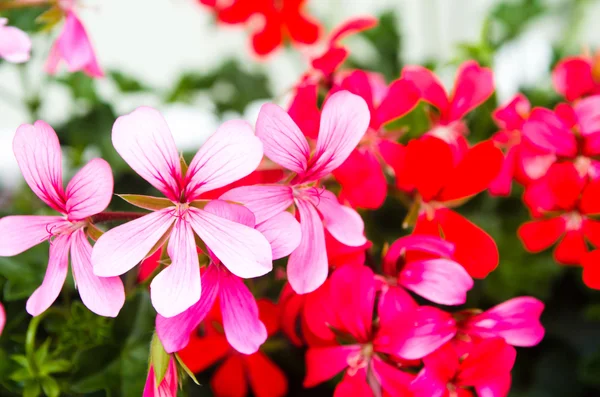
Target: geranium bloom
{"x": 575, "y": 77}
{"x": 448, "y": 373}
{"x": 15, "y": 45}
{"x": 437, "y": 178}
{"x": 38, "y": 154}
{"x": 591, "y": 269}
{"x": 343, "y": 123}
{"x": 2, "y": 318}
{"x": 510, "y": 119}
{"x": 563, "y": 202}
{"x": 74, "y": 47}
{"x": 144, "y": 141}
{"x": 280, "y": 20}
{"x": 362, "y": 178}
{"x": 241, "y": 324}
{"x": 473, "y": 86}
{"x": 569, "y": 133}
{"x": 432, "y": 274}
{"x": 237, "y": 371}
{"x": 349, "y": 312}
{"x": 168, "y": 385}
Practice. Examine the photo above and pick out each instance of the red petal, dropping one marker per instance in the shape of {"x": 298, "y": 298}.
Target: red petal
{"x": 488, "y": 360}
{"x": 591, "y": 230}
{"x": 269, "y": 314}
{"x": 571, "y": 248}
{"x": 538, "y": 235}
{"x": 302, "y": 29}
{"x": 512, "y": 115}
{"x": 203, "y": 352}
{"x": 358, "y": 83}
{"x": 573, "y": 78}
{"x": 291, "y": 307}
{"x": 269, "y": 38}
{"x": 473, "y": 86}
{"x": 591, "y": 269}
{"x": 229, "y": 379}
{"x": 429, "y": 85}
{"x": 474, "y": 173}
{"x": 362, "y": 179}
{"x": 323, "y": 363}
{"x": 330, "y": 60}
{"x": 590, "y": 198}
{"x": 354, "y": 385}
{"x": 238, "y": 12}
{"x": 352, "y": 26}
{"x": 566, "y": 185}
{"x": 266, "y": 378}
{"x": 401, "y": 98}
{"x": 304, "y": 110}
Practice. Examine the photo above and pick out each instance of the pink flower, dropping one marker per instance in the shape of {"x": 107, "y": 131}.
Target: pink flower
{"x": 167, "y": 386}
{"x": 144, "y": 141}
{"x": 431, "y": 273}
{"x": 74, "y": 47}
{"x": 344, "y": 120}
{"x": 575, "y": 77}
{"x": 486, "y": 368}
{"x": 15, "y": 45}
{"x": 243, "y": 329}
{"x": 2, "y": 318}
{"x": 38, "y": 154}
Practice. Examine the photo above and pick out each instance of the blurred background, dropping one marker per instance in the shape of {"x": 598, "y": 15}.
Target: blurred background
{"x": 170, "y": 54}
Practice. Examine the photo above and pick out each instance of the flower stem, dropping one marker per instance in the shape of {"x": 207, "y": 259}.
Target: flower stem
{"x": 116, "y": 216}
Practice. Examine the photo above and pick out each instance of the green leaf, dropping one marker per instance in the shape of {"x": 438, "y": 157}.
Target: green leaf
{"x": 21, "y": 375}
{"x": 32, "y": 389}
{"x": 185, "y": 369}
{"x": 21, "y": 360}
{"x": 50, "y": 387}
{"x": 56, "y": 366}
{"x": 147, "y": 202}
{"x": 127, "y": 83}
{"x": 42, "y": 352}
{"x": 159, "y": 359}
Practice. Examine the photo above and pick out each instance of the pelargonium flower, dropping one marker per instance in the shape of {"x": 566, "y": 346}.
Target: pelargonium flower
{"x": 570, "y": 133}
{"x": 38, "y": 154}
{"x": 510, "y": 118}
{"x": 349, "y": 311}
{"x": 438, "y": 177}
{"x": 144, "y": 141}
{"x": 281, "y": 20}
{"x": 344, "y": 121}
{"x": 241, "y": 324}
{"x": 362, "y": 178}
{"x": 167, "y": 386}
{"x": 486, "y": 368}
{"x": 591, "y": 269}
{"x": 237, "y": 372}
{"x": 564, "y": 204}
{"x": 473, "y": 85}
{"x": 74, "y": 47}
{"x": 15, "y": 45}
{"x": 431, "y": 273}
{"x": 576, "y": 77}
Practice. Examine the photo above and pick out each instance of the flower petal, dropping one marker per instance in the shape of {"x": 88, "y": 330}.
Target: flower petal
{"x": 56, "y": 273}
{"x": 473, "y": 86}
{"x": 344, "y": 121}
{"x": 538, "y": 235}
{"x": 307, "y": 266}
{"x": 304, "y": 108}
{"x": 571, "y": 248}
{"x": 323, "y": 363}
{"x": 591, "y": 269}
{"x": 265, "y": 201}
{"x": 2, "y": 318}
{"x": 121, "y": 248}
{"x": 431, "y": 89}
{"x": 38, "y": 154}
{"x": 283, "y": 141}
{"x": 488, "y": 360}
{"x": 363, "y": 181}
{"x": 283, "y": 233}
{"x": 201, "y": 353}
{"x": 144, "y": 140}
{"x": 229, "y": 379}
{"x": 90, "y": 190}
{"x": 393, "y": 381}
{"x": 243, "y": 328}
{"x": 344, "y": 223}
{"x": 176, "y": 288}
{"x": 231, "y": 153}
{"x": 266, "y": 378}
{"x": 174, "y": 332}
{"x": 242, "y": 249}
{"x": 75, "y": 47}
{"x": 104, "y": 296}
{"x": 15, "y": 45}
{"x": 572, "y": 77}
{"x": 546, "y": 131}
{"x": 402, "y": 97}
{"x": 19, "y": 233}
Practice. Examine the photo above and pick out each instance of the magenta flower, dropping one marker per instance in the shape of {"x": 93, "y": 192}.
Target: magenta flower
{"x": 2, "y": 318}
{"x": 344, "y": 120}
{"x": 74, "y": 47}
{"x": 167, "y": 386}
{"x": 15, "y": 45}
{"x": 243, "y": 329}
{"x": 144, "y": 141}
{"x": 38, "y": 154}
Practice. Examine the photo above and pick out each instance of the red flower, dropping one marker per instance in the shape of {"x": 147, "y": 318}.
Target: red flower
{"x": 237, "y": 372}
{"x": 437, "y": 180}
{"x": 282, "y": 19}
{"x": 562, "y": 202}
{"x": 575, "y": 77}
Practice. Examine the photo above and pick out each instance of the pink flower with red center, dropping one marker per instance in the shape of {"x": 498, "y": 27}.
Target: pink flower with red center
{"x": 237, "y": 372}
{"x": 486, "y": 368}
{"x": 564, "y": 204}
{"x": 473, "y": 85}
{"x": 568, "y": 133}
{"x": 437, "y": 178}
{"x": 15, "y": 45}
{"x": 349, "y": 312}
{"x": 424, "y": 265}
{"x": 510, "y": 119}
{"x": 576, "y": 77}
{"x": 167, "y": 386}
{"x": 89, "y": 192}
{"x": 344, "y": 121}
{"x": 73, "y": 46}
{"x": 242, "y": 327}
{"x": 144, "y": 141}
